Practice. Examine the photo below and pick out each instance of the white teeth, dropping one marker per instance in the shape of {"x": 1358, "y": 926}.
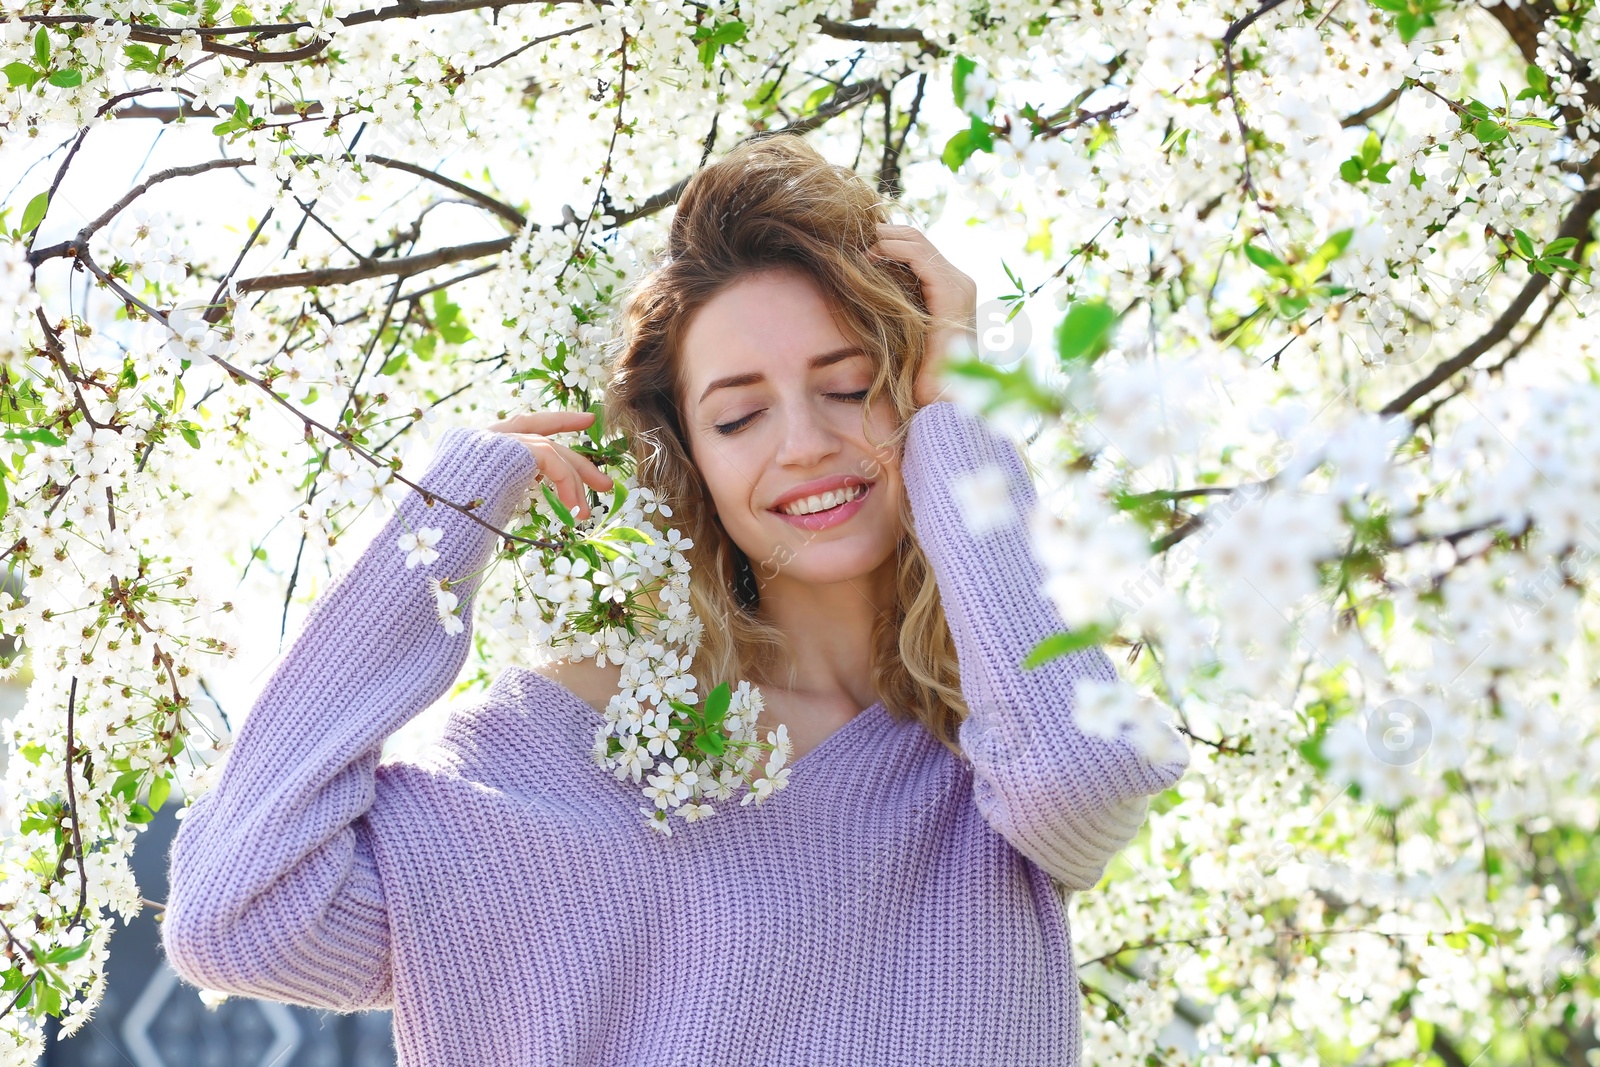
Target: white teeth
{"x": 831, "y": 499}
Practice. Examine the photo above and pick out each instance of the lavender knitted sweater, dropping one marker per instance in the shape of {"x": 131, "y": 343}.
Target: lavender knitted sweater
{"x": 892, "y": 905}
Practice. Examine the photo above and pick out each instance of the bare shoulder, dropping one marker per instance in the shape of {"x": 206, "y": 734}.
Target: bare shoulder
{"x": 595, "y": 683}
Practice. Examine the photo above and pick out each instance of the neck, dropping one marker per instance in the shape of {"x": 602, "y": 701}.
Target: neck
{"x": 829, "y": 626}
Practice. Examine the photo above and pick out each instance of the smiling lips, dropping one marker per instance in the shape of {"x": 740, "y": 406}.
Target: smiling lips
{"x": 822, "y": 510}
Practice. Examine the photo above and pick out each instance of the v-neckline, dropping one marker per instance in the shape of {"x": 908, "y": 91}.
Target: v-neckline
{"x": 829, "y": 742}
{"x": 852, "y": 725}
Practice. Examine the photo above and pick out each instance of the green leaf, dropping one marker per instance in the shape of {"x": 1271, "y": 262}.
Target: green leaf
{"x": 712, "y": 743}
{"x": 716, "y": 705}
{"x": 127, "y": 785}
{"x": 557, "y": 506}
{"x": 38, "y": 435}
{"x": 190, "y": 433}
{"x": 22, "y": 74}
{"x": 712, "y": 40}
{"x": 729, "y": 33}
{"x": 628, "y": 533}
{"x": 957, "y": 150}
{"x": 1537, "y": 79}
{"x": 68, "y": 953}
{"x": 33, "y": 753}
{"x": 619, "y": 494}
{"x": 1524, "y": 243}
{"x": 1262, "y": 258}
{"x": 38, "y": 823}
{"x": 138, "y": 813}
{"x": 1334, "y": 246}
{"x": 160, "y": 789}
{"x": 34, "y": 214}
{"x": 1057, "y": 645}
{"x": 1085, "y": 331}
{"x": 1380, "y": 173}
{"x": 41, "y": 47}
{"x": 141, "y": 57}
{"x": 1352, "y": 171}
{"x": 1488, "y": 131}
{"x": 977, "y": 137}
{"x": 1560, "y": 245}
{"x": 1371, "y": 149}
{"x": 958, "y": 78}
{"x": 66, "y": 79}
{"x": 48, "y": 998}
{"x": 1410, "y": 25}
{"x": 764, "y": 101}
{"x": 1293, "y": 306}
{"x": 815, "y": 100}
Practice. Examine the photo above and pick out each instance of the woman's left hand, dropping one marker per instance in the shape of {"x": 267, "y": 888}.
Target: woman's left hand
{"x": 951, "y": 297}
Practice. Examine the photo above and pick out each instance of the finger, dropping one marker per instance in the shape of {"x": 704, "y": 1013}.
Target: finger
{"x": 930, "y": 260}
{"x": 586, "y": 468}
{"x": 908, "y": 251}
{"x": 544, "y": 422}
{"x": 559, "y": 473}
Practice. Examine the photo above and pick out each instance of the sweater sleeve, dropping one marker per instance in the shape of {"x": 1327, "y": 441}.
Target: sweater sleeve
{"x": 274, "y": 891}
{"x": 1066, "y": 799}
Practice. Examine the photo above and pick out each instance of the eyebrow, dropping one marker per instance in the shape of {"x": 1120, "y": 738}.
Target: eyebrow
{"x": 826, "y": 359}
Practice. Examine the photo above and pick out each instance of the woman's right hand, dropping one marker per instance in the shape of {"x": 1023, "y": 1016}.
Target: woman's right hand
{"x": 559, "y": 465}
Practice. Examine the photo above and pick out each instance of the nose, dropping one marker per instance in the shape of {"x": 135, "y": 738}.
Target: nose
{"x": 807, "y": 437}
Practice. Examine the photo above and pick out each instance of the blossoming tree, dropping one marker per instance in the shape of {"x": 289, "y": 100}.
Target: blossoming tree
{"x": 1311, "y": 385}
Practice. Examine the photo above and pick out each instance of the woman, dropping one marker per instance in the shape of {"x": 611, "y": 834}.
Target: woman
{"x": 893, "y": 904}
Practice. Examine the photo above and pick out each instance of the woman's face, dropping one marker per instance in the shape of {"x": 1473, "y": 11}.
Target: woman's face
{"x": 772, "y": 405}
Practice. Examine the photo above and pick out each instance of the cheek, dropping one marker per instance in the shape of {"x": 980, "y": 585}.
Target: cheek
{"x": 726, "y": 480}
{"x": 883, "y": 457}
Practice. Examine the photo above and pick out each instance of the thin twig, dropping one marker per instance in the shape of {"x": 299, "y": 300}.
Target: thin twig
{"x": 1228, "y": 39}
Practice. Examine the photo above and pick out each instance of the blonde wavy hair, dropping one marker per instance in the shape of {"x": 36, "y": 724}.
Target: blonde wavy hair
{"x": 769, "y": 204}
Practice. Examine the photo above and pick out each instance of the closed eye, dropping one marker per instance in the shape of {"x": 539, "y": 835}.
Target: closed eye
{"x": 726, "y": 428}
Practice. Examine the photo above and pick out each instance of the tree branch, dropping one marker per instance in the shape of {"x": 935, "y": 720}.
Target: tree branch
{"x": 1371, "y": 111}
{"x": 1576, "y": 226}
{"x": 1228, "y": 38}
{"x": 404, "y": 267}
{"x": 846, "y": 98}
{"x": 869, "y": 33}
{"x": 80, "y": 242}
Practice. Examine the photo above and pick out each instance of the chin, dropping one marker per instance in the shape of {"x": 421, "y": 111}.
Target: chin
{"x": 820, "y": 563}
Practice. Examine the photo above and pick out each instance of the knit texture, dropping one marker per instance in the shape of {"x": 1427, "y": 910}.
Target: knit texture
{"x": 893, "y": 904}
